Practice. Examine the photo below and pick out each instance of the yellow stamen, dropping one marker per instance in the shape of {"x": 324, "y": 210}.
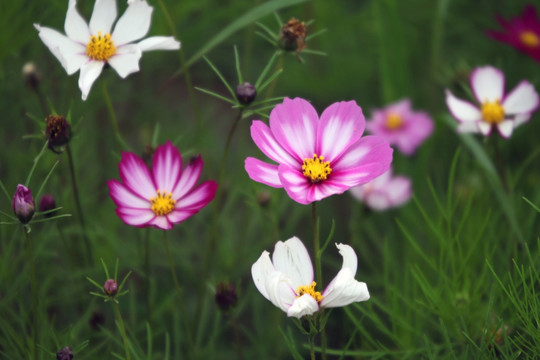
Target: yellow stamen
{"x": 394, "y": 121}
{"x": 163, "y": 203}
{"x": 309, "y": 289}
{"x": 530, "y": 39}
{"x": 316, "y": 169}
{"x": 100, "y": 48}
{"x": 492, "y": 112}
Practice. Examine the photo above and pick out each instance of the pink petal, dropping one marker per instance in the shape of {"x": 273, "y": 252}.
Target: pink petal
{"x": 341, "y": 125}
{"x": 126, "y": 60}
{"x": 199, "y": 197}
{"x": 123, "y": 197}
{"x": 325, "y": 189}
{"x": 263, "y": 138}
{"x": 161, "y": 222}
{"x": 188, "y": 178}
{"x": 461, "y": 110}
{"x": 487, "y": 84}
{"x": 179, "y": 215}
{"x": 136, "y": 176}
{"x": 369, "y": 149}
{"x": 103, "y": 16}
{"x": 294, "y": 125}
{"x": 523, "y": 99}
{"x": 166, "y": 166}
{"x": 295, "y": 183}
{"x": 262, "y": 172}
{"x": 135, "y": 217}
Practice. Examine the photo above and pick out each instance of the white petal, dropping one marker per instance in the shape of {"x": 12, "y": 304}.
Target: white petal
{"x": 292, "y": 258}
{"x": 487, "y": 84}
{"x": 304, "y": 305}
{"x": 344, "y": 290}
{"x": 468, "y": 127}
{"x": 133, "y": 24}
{"x": 350, "y": 261}
{"x": 280, "y": 292}
{"x": 159, "y": 43}
{"x": 506, "y": 128}
{"x": 71, "y": 54}
{"x": 89, "y": 74}
{"x": 484, "y": 127}
{"x": 260, "y": 271}
{"x": 103, "y": 17}
{"x": 126, "y": 60}
{"x": 521, "y": 119}
{"x": 523, "y": 99}
{"x": 75, "y": 26}
{"x": 462, "y": 111}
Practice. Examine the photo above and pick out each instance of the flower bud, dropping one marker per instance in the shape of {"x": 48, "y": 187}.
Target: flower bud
{"x": 47, "y": 203}
{"x": 64, "y": 354}
{"x": 246, "y": 93}
{"x": 23, "y": 204}
{"x": 226, "y": 296}
{"x": 58, "y": 131}
{"x": 31, "y": 75}
{"x": 110, "y": 287}
{"x": 264, "y": 197}
{"x": 293, "y": 35}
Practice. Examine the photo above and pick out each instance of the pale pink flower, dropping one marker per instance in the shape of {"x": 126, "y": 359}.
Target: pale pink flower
{"x": 316, "y": 158}
{"x": 165, "y": 196}
{"x": 287, "y": 280}
{"x": 401, "y": 126}
{"x": 384, "y": 192}
{"x": 496, "y": 109}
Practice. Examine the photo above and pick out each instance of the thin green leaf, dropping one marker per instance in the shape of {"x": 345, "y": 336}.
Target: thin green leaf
{"x": 217, "y": 95}
{"x": 265, "y": 70}
{"x": 35, "y": 162}
{"x": 221, "y": 77}
{"x": 5, "y": 191}
{"x": 46, "y": 179}
{"x": 270, "y": 79}
{"x": 237, "y": 63}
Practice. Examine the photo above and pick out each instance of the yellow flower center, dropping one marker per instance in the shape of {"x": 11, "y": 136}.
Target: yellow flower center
{"x": 316, "y": 169}
{"x": 394, "y": 121}
{"x": 492, "y": 112}
{"x": 309, "y": 289}
{"x": 100, "y": 48}
{"x": 163, "y": 203}
{"x": 530, "y": 39}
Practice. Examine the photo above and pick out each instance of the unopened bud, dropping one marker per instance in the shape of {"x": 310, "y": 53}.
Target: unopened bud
{"x": 23, "y": 204}
{"x": 47, "y": 203}
{"x": 226, "y": 296}
{"x": 246, "y": 93}
{"x": 293, "y": 35}
{"x": 64, "y": 354}
{"x": 58, "y": 131}
{"x": 110, "y": 287}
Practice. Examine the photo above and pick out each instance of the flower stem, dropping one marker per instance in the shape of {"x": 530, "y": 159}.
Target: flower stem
{"x": 312, "y": 347}
{"x": 122, "y": 329}
{"x": 318, "y": 271}
{"x": 112, "y": 115}
{"x": 33, "y": 284}
{"x": 500, "y": 165}
{"x": 183, "y": 312}
{"x": 147, "y": 271}
{"x": 89, "y": 252}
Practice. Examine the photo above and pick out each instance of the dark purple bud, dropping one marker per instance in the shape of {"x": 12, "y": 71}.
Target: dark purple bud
{"x": 47, "y": 203}
{"x": 64, "y": 354}
{"x": 246, "y": 93}
{"x": 226, "y": 296}
{"x": 110, "y": 287}
{"x": 58, "y": 131}
{"x": 23, "y": 204}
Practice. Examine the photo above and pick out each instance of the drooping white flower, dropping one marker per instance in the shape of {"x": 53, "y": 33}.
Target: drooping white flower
{"x": 287, "y": 280}
{"x": 88, "y": 47}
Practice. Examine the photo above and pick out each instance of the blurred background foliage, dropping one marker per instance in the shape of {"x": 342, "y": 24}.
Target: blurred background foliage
{"x": 426, "y": 264}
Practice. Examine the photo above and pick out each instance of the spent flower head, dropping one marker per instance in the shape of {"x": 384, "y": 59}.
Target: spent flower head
{"x": 226, "y": 296}
{"x": 496, "y": 109}
{"x": 316, "y": 156}
{"x": 57, "y": 132}
{"x": 288, "y": 281}
{"x": 88, "y": 47}
{"x": 521, "y": 32}
{"x": 292, "y": 36}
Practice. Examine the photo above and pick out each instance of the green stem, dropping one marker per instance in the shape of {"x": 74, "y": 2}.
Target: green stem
{"x": 147, "y": 271}
{"x": 33, "y": 284}
{"x": 182, "y": 307}
{"x": 500, "y": 165}
{"x": 89, "y": 252}
{"x": 122, "y": 329}
{"x": 112, "y": 115}
{"x": 312, "y": 347}
{"x": 318, "y": 271}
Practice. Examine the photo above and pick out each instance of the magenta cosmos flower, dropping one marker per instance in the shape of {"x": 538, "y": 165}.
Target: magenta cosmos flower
{"x": 316, "y": 157}
{"x": 504, "y": 112}
{"x": 401, "y": 126}
{"x": 165, "y": 196}
{"x": 523, "y": 32}
{"x": 384, "y": 192}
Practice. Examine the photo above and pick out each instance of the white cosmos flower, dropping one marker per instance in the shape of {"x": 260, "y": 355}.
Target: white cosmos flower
{"x": 287, "y": 280}
{"x": 87, "y": 47}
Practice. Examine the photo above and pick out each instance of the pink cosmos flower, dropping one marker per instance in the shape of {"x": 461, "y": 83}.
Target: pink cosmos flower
{"x": 505, "y": 112}
{"x": 165, "y": 196}
{"x": 316, "y": 157}
{"x": 384, "y": 192}
{"x": 401, "y": 126}
{"x": 522, "y": 32}
{"x": 287, "y": 280}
